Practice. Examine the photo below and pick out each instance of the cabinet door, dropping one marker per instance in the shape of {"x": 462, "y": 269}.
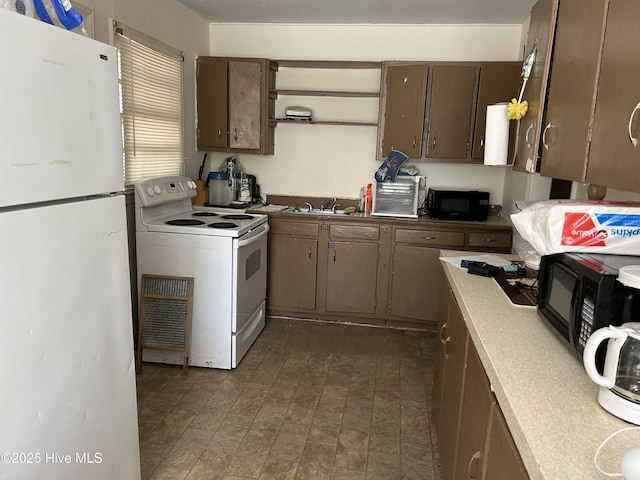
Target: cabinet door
{"x": 440, "y": 348}
{"x": 352, "y": 277}
{"x": 541, "y": 31}
{"x": 613, "y": 158}
{"x": 502, "y": 460}
{"x": 292, "y": 272}
{"x": 572, "y": 88}
{"x": 450, "y": 111}
{"x": 455, "y": 354}
{"x": 211, "y": 99}
{"x": 415, "y": 282}
{"x": 499, "y": 82}
{"x": 245, "y": 104}
{"x": 405, "y": 92}
{"x": 477, "y": 402}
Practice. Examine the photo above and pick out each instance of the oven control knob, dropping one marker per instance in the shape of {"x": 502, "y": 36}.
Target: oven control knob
{"x": 157, "y": 189}
{"x": 150, "y": 191}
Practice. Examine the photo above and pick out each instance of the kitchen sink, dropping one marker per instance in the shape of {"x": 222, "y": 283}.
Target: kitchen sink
{"x": 316, "y": 211}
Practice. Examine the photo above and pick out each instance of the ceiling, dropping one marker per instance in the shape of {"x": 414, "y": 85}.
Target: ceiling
{"x": 363, "y": 11}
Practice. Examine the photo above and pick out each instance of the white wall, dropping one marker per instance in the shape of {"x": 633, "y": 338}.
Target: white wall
{"x": 171, "y": 23}
{"x": 328, "y": 161}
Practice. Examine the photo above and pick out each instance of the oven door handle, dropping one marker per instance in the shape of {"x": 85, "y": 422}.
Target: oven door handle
{"x": 249, "y": 241}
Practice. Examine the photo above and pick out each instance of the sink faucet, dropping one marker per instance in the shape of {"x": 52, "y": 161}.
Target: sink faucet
{"x": 309, "y": 206}
{"x": 324, "y": 206}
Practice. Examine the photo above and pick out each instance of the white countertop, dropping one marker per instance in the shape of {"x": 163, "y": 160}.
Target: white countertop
{"x": 548, "y": 400}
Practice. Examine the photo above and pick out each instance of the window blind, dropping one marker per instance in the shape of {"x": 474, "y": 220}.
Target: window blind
{"x": 151, "y": 77}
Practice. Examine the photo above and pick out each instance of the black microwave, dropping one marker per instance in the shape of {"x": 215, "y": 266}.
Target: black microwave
{"x": 449, "y": 204}
{"x": 578, "y": 293}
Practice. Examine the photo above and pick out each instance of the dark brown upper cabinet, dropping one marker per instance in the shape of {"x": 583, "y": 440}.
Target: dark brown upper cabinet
{"x": 499, "y": 82}
{"x": 402, "y": 118}
{"x": 450, "y": 112}
{"x": 540, "y": 38}
{"x": 233, "y": 105}
{"x": 436, "y": 112}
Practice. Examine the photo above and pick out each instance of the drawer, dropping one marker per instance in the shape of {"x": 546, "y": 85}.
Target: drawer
{"x": 303, "y": 229}
{"x": 353, "y": 232}
{"x": 490, "y": 240}
{"x": 430, "y": 237}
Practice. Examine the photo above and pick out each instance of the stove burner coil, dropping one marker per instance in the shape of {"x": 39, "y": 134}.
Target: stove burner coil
{"x": 237, "y": 216}
{"x": 205, "y": 214}
{"x": 184, "y": 222}
{"x": 223, "y": 225}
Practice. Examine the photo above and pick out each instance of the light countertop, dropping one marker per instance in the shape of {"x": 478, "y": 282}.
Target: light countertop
{"x": 548, "y": 401}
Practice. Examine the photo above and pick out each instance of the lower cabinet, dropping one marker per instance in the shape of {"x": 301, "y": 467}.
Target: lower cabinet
{"x": 352, "y": 268}
{"x": 473, "y": 436}
{"x": 453, "y": 350}
{"x": 502, "y": 460}
{"x": 292, "y": 265}
{"x": 367, "y": 270}
{"x": 477, "y": 405}
{"x": 416, "y": 273}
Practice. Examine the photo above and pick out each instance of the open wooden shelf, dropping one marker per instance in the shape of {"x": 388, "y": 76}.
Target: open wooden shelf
{"x": 323, "y": 122}
{"x": 325, "y": 93}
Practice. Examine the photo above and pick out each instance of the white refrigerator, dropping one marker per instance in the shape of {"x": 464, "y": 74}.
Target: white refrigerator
{"x": 67, "y": 375}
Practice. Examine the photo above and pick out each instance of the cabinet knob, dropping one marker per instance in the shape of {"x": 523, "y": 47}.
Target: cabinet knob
{"x": 219, "y": 133}
{"x": 490, "y": 240}
{"x": 634, "y": 140}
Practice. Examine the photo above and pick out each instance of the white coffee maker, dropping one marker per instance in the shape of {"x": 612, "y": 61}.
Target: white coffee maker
{"x": 619, "y": 382}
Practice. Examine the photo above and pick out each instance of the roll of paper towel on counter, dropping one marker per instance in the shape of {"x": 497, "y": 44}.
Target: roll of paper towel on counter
{"x": 496, "y": 136}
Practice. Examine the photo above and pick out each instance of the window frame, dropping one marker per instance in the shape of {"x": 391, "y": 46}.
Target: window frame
{"x": 153, "y": 131}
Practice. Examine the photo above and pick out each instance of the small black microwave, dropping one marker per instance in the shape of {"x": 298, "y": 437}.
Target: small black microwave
{"x": 449, "y": 204}
{"x": 578, "y": 294}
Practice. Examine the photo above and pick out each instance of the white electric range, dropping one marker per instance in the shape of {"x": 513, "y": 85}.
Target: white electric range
{"x": 225, "y": 251}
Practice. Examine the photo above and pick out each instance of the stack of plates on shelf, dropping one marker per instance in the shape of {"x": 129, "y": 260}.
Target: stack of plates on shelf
{"x": 297, "y": 113}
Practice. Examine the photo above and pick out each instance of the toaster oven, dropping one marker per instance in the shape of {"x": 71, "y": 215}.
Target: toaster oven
{"x": 400, "y": 198}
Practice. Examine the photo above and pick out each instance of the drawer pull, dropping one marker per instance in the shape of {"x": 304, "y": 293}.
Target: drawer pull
{"x": 445, "y": 348}
{"x": 473, "y": 462}
{"x": 442, "y": 340}
{"x": 429, "y": 238}
{"x": 634, "y": 140}
{"x": 544, "y": 135}
{"x": 490, "y": 240}
{"x": 526, "y": 137}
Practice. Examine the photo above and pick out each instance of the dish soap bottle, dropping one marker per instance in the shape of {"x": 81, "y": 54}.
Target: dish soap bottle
{"x": 368, "y": 200}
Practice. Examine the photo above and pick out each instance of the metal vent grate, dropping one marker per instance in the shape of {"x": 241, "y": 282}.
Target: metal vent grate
{"x": 165, "y": 315}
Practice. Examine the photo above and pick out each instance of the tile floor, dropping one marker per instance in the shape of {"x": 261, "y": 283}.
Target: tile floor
{"x": 286, "y": 413}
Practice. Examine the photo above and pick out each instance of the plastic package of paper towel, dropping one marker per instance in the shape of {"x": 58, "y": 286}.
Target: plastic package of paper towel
{"x": 555, "y": 226}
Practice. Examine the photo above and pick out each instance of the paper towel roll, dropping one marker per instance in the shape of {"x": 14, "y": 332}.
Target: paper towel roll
{"x": 496, "y": 136}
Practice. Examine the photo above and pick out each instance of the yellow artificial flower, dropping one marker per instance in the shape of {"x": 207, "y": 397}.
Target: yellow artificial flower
{"x": 515, "y": 110}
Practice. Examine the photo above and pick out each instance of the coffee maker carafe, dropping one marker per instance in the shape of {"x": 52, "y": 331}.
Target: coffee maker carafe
{"x": 619, "y": 381}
